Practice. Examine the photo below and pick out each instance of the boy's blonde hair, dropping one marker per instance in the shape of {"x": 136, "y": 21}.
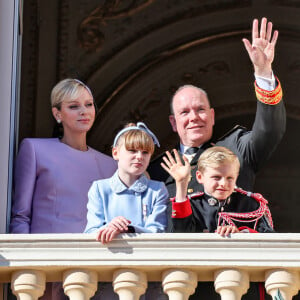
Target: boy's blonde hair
{"x": 136, "y": 139}
{"x": 215, "y": 157}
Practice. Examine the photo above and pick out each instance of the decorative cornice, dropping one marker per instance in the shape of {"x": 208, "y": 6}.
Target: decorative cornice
{"x": 215, "y": 66}
{"x": 90, "y": 34}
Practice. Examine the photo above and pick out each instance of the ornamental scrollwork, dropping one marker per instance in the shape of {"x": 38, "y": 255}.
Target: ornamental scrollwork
{"x": 90, "y": 34}
{"x": 217, "y": 67}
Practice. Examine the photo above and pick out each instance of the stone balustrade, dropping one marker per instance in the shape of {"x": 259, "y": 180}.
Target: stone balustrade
{"x": 178, "y": 261}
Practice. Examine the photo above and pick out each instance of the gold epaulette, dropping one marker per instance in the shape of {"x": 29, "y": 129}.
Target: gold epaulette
{"x": 269, "y": 97}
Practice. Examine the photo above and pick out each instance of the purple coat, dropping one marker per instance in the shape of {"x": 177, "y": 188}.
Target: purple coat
{"x": 51, "y": 184}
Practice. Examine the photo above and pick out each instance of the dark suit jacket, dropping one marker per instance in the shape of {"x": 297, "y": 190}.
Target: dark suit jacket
{"x": 253, "y": 148}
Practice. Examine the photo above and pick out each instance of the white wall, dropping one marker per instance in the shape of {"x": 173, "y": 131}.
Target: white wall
{"x": 9, "y": 87}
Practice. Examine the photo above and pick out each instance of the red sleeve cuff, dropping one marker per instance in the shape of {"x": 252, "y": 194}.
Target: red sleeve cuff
{"x": 247, "y": 229}
{"x": 269, "y": 97}
{"x": 181, "y": 209}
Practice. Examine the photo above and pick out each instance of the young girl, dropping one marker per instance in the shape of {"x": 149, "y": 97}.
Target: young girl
{"x": 128, "y": 201}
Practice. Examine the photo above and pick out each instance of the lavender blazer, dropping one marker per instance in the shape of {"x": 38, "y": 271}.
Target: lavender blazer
{"x": 51, "y": 184}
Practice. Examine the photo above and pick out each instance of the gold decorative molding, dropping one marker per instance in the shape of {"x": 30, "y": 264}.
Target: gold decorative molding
{"x": 218, "y": 67}
{"x": 90, "y": 34}
{"x": 215, "y": 66}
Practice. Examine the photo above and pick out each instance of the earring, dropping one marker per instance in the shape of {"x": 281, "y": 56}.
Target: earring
{"x": 58, "y": 121}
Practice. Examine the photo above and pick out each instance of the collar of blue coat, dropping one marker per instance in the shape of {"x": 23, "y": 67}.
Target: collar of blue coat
{"x": 139, "y": 186}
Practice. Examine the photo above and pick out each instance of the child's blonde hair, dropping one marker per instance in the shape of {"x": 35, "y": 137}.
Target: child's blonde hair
{"x": 136, "y": 139}
{"x": 215, "y": 157}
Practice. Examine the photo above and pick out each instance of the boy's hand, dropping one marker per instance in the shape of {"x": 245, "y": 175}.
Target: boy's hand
{"x": 116, "y": 226}
{"x": 181, "y": 172}
{"x": 226, "y": 230}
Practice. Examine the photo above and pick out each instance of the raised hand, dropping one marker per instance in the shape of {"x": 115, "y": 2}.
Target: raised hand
{"x": 262, "y": 49}
{"x": 180, "y": 171}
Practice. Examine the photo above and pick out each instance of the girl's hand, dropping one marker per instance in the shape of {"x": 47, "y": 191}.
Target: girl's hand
{"x": 180, "y": 171}
{"x": 227, "y": 230}
{"x": 107, "y": 234}
{"x": 116, "y": 226}
{"x": 119, "y": 223}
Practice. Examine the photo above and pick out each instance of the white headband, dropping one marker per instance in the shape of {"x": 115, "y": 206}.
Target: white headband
{"x": 139, "y": 126}
{"x": 84, "y": 85}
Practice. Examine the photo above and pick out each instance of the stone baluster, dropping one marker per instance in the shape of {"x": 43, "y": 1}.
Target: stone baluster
{"x": 231, "y": 284}
{"x": 179, "y": 284}
{"x": 80, "y": 284}
{"x": 286, "y": 281}
{"x": 28, "y": 284}
{"x": 129, "y": 284}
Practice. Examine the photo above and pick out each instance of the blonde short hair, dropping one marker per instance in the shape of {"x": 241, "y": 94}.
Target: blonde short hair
{"x": 67, "y": 89}
{"x": 136, "y": 139}
{"x": 215, "y": 157}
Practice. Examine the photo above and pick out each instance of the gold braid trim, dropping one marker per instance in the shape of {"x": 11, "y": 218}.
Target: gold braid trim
{"x": 269, "y": 97}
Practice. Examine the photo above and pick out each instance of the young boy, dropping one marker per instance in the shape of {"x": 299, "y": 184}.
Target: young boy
{"x": 221, "y": 208}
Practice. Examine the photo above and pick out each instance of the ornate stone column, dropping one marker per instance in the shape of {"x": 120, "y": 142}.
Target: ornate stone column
{"x": 179, "y": 284}
{"x": 28, "y": 284}
{"x": 80, "y": 284}
{"x": 286, "y": 281}
{"x": 231, "y": 284}
{"x": 129, "y": 284}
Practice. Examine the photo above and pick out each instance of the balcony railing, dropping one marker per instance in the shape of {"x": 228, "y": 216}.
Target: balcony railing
{"x": 131, "y": 261}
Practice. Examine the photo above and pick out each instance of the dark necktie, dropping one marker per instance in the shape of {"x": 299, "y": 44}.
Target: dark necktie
{"x": 191, "y": 150}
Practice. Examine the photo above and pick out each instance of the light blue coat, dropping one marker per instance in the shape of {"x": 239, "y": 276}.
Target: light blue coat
{"x": 144, "y": 204}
